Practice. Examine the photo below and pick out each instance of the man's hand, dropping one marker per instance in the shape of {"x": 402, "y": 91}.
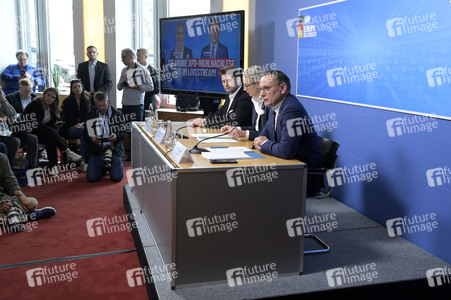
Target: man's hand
{"x": 112, "y": 138}
{"x": 258, "y": 142}
{"x": 27, "y": 204}
{"x": 95, "y": 140}
{"x": 236, "y": 134}
{"x": 4, "y": 207}
{"x": 198, "y": 122}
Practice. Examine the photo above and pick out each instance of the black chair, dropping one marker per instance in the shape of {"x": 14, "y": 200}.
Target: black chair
{"x": 329, "y": 158}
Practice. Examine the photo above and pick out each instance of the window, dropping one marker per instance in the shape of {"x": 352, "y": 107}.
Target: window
{"x": 185, "y": 8}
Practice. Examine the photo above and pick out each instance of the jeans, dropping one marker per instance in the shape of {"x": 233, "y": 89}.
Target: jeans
{"x": 96, "y": 170}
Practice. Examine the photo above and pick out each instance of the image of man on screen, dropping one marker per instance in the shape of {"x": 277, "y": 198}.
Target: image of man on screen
{"x": 214, "y": 49}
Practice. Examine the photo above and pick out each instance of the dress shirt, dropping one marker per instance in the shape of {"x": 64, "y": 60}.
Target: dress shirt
{"x": 92, "y": 75}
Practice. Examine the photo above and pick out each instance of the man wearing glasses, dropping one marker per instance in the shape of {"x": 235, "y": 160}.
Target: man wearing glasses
{"x": 289, "y": 132}
{"x": 19, "y": 100}
{"x": 15, "y": 72}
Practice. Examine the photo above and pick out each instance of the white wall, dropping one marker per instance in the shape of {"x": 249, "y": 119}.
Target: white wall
{"x": 10, "y": 36}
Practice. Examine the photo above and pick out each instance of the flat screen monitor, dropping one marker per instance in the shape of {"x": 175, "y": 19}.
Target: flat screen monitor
{"x": 194, "y": 48}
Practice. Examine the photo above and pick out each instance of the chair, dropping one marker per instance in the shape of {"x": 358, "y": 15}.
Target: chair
{"x": 329, "y": 158}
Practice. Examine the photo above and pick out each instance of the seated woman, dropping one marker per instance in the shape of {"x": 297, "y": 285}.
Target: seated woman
{"x": 75, "y": 107}
{"x": 44, "y": 113}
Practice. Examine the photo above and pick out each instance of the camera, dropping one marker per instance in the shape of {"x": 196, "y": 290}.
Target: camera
{"x": 13, "y": 218}
{"x": 125, "y": 84}
{"x": 108, "y": 155}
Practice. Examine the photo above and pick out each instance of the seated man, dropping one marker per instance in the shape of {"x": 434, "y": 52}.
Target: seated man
{"x": 12, "y": 139}
{"x": 237, "y": 107}
{"x": 12, "y": 197}
{"x": 251, "y": 80}
{"x": 104, "y": 133}
{"x": 20, "y": 99}
{"x": 15, "y": 72}
{"x": 289, "y": 132}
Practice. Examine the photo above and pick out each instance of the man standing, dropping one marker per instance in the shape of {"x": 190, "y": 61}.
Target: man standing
{"x": 236, "y": 109}
{"x": 135, "y": 81}
{"x": 94, "y": 75}
{"x": 289, "y": 132}
{"x": 19, "y": 100}
{"x": 104, "y": 133}
{"x": 13, "y": 73}
{"x": 150, "y": 97}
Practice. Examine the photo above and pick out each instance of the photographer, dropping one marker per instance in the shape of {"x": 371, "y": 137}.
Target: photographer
{"x": 15, "y": 207}
{"x": 104, "y": 132}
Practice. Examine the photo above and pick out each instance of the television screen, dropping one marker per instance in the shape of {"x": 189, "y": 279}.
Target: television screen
{"x": 194, "y": 48}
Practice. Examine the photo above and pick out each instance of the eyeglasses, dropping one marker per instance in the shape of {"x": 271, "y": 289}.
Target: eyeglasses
{"x": 267, "y": 89}
{"x": 248, "y": 85}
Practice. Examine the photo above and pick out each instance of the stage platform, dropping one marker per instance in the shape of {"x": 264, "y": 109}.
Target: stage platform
{"x": 363, "y": 260}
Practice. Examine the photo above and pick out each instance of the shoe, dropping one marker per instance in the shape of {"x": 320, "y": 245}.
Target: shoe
{"x": 43, "y": 213}
{"x": 53, "y": 171}
{"x": 83, "y": 167}
{"x": 72, "y": 156}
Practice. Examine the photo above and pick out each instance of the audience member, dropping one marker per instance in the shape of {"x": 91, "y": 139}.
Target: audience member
{"x": 13, "y": 138}
{"x": 150, "y": 97}
{"x": 15, "y": 72}
{"x": 236, "y": 109}
{"x": 135, "y": 81}
{"x": 95, "y": 75}
{"x": 3, "y": 149}
{"x": 281, "y": 136}
{"x": 12, "y": 197}
{"x": 74, "y": 110}
{"x": 251, "y": 80}
{"x": 20, "y": 99}
{"x": 45, "y": 110}
{"x": 104, "y": 132}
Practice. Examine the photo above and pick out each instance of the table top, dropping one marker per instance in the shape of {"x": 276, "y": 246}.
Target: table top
{"x": 201, "y": 162}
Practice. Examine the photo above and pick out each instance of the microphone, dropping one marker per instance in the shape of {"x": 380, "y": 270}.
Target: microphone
{"x": 196, "y": 150}
{"x": 181, "y": 136}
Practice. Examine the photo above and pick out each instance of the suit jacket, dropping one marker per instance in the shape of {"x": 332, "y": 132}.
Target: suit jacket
{"x": 221, "y": 52}
{"x": 14, "y": 100}
{"x": 187, "y": 53}
{"x": 239, "y": 114}
{"x": 261, "y": 123}
{"x": 102, "y": 79}
{"x": 294, "y": 138}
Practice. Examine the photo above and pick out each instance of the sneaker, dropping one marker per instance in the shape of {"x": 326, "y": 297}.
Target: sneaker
{"x": 53, "y": 171}
{"x": 72, "y": 156}
{"x": 43, "y": 213}
{"x": 83, "y": 167}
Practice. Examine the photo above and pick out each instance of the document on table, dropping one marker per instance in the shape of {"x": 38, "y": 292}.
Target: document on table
{"x": 217, "y": 139}
{"x": 227, "y": 153}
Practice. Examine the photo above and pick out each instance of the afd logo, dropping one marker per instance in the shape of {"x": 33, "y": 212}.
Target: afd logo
{"x": 438, "y": 276}
{"x": 438, "y": 176}
{"x": 438, "y": 76}
{"x": 35, "y": 177}
{"x": 335, "y": 77}
{"x": 196, "y": 27}
{"x": 135, "y": 277}
{"x": 395, "y": 27}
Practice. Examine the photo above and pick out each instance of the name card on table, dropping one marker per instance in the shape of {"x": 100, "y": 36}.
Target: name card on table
{"x": 179, "y": 152}
{"x": 149, "y": 124}
{"x": 159, "y": 135}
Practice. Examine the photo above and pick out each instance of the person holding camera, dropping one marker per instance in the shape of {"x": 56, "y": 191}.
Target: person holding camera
{"x": 15, "y": 207}
{"x": 104, "y": 133}
{"x": 15, "y": 72}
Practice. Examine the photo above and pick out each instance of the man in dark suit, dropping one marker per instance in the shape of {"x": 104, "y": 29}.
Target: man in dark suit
{"x": 289, "y": 132}
{"x": 236, "y": 109}
{"x": 215, "y": 49}
{"x": 251, "y": 80}
{"x": 20, "y": 99}
{"x": 150, "y": 97}
{"x": 95, "y": 75}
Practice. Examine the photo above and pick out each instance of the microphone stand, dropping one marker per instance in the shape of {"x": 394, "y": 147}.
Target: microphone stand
{"x": 197, "y": 150}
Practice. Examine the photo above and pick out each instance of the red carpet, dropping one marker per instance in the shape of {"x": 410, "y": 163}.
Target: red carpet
{"x": 90, "y": 219}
